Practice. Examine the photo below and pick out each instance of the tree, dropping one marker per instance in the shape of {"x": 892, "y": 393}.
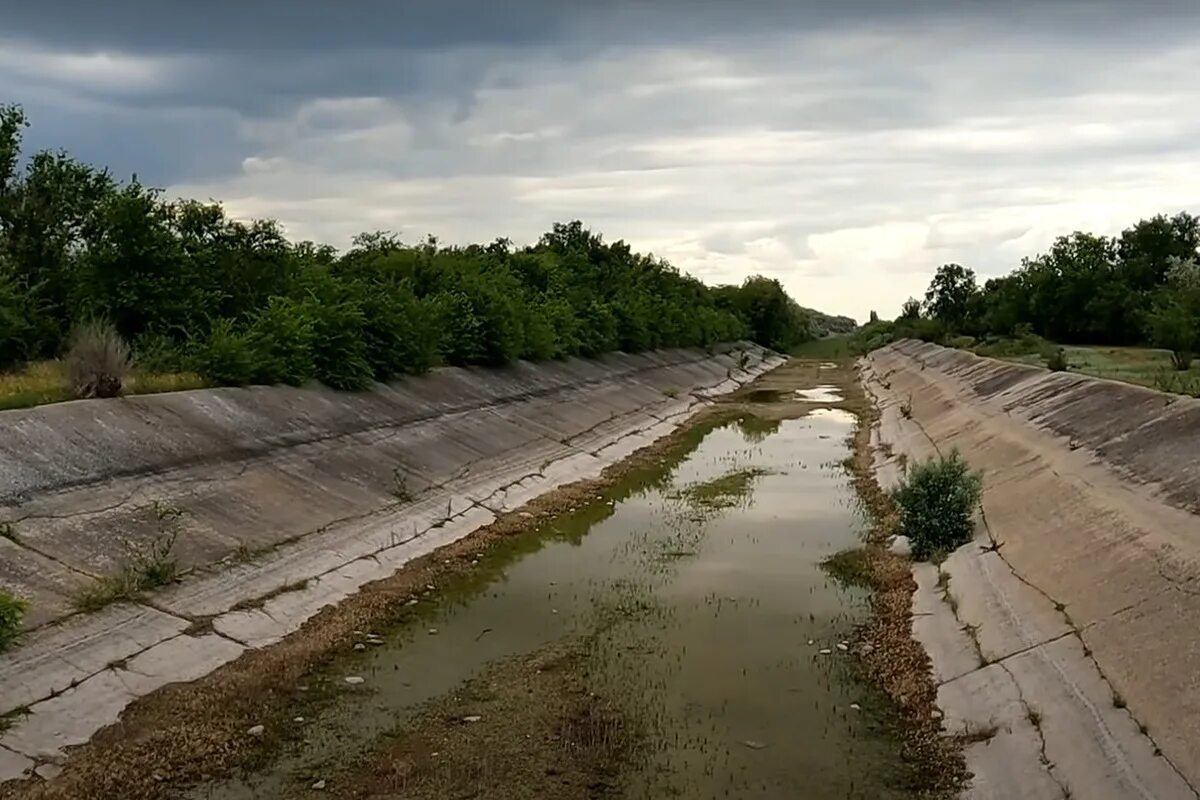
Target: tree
{"x": 949, "y": 295}
{"x": 911, "y": 309}
{"x": 1174, "y": 320}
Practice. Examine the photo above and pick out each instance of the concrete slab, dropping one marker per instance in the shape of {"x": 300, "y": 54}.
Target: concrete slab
{"x": 950, "y": 649}
{"x": 14, "y": 766}
{"x": 1008, "y": 615}
{"x": 179, "y": 660}
{"x": 44, "y": 584}
{"x": 1008, "y": 762}
{"x": 69, "y": 719}
{"x": 53, "y": 659}
{"x": 1096, "y": 748}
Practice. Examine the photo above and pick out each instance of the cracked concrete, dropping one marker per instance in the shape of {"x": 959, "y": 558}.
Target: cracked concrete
{"x": 306, "y": 480}
{"x": 1079, "y": 589}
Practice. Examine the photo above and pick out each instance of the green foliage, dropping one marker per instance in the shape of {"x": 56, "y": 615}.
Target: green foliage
{"x": 1173, "y": 322}
{"x": 949, "y": 296}
{"x": 225, "y": 356}
{"x": 98, "y": 361}
{"x": 12, "y": 609}
{"x": 237, "y": 303}
{"x": 280, "y": 343}
{"x": 771, "y": 317}
{"x": 1125, "y": 290}
{"x": 1056, "y": 359}
{"x": 937, "y": 499}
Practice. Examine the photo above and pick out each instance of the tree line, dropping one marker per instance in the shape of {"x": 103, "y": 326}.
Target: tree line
{"x": 191, "y": 289}
{"x": 1139, "y": 288}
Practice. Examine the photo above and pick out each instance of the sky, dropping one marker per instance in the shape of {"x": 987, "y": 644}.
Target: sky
{"x": 845, "y": 148}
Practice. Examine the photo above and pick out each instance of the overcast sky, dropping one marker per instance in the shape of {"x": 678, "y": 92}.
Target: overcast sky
{"x": 845, "y": 151}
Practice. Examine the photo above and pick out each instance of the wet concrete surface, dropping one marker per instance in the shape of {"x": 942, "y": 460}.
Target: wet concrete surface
{"x": 699, "y": 584}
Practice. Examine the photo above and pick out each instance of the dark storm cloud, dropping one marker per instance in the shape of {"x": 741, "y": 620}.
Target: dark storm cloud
{"x": 844, "y": 147}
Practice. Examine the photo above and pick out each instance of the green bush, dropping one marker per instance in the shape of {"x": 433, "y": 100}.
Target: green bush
{"x": 339, "y": 350}
{"x": 937, "y": 499}
{"x": 225, "y": 356}
{"x": 400, "y": 330}
{"x": 11, "y": 611}
{"x": 281, "y": 339}
{"x": 1056, "y": 359}
{"x": 156, "y": 352}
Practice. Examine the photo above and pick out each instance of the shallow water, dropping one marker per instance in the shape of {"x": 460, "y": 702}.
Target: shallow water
{"x": 710, "y": 567}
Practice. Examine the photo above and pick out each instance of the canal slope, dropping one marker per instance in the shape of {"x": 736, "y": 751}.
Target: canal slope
{"x": 273, "y": 503}
{"x": 1063, "y": 638}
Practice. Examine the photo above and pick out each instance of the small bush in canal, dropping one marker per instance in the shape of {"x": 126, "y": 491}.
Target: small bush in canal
{"x": 936, "y": 499}
{"x": 11, "y": 611}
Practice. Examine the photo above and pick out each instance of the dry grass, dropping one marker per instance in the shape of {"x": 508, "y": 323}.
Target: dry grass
{"x": 98, "y": 361}
{"x": 541, "y": 732}
{"x": 43, "y": 382}
{"x": 891, "y": 658}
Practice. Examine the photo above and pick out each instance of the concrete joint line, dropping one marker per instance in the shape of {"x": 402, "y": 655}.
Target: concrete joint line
{"x": 1035, "y": 720}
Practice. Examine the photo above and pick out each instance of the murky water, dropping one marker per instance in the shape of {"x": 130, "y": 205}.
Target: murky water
{"x": 710, "y": 565}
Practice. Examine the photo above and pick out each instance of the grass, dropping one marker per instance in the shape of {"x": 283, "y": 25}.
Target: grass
{"x": 831, "y": 348}
{"x": 726, "y": 491}
{"x": 1143, "y": 366}
{"x": 146, "y": 570}
{"x": 44, "y": 382}
{"x": 12, "y": 609}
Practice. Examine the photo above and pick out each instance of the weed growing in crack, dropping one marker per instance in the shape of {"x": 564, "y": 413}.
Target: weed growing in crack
{"x": 400, "y": 488}
{"x": 148, "y": 568}
{"x": 12, "y": 609}
{"x": 7, "y": 531}
{"x": 1118, "y": 700}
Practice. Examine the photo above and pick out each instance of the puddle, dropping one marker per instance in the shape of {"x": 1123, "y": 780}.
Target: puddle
{"x": 719, "y": 553}
{"x": 765, "y": 396}
{"x": 821, "y": 394}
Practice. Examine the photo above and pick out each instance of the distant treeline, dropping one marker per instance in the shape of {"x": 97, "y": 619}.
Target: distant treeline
{"x": 193, "y": 290}
{"x": 1139, "y": 288}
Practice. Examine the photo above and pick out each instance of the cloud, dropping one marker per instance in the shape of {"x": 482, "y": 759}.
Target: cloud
{"x": 847, "y": 149}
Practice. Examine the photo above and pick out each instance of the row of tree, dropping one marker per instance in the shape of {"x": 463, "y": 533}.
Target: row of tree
{"x": 1141, "y": 287}
{"x": 237, "y": 302}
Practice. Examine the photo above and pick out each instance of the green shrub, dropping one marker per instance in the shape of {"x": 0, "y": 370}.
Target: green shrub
{"x": 159, "y": 353}
{"x": 98, "y": 361}
{"x": 339, "y": 349}
{"x": 225, "y": 356}
{"x": 400, "y": 331}
{"x": 11, "y": 611}
{"x": 281, "y": 339}
{"x": 936, "y": 499}
{"x": 1056, "y": 359}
